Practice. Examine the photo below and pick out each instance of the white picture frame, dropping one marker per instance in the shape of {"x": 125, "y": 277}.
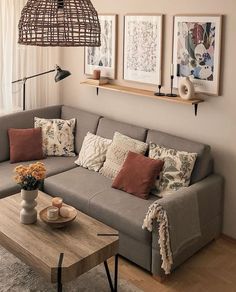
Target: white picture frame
{"x": 104, "y": 57}
{"x": 143, "y": 48}
{"x": 197, "y": 51}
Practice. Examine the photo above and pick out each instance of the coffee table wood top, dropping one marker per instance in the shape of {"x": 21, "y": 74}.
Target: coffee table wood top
{"x": 40, "y": 247}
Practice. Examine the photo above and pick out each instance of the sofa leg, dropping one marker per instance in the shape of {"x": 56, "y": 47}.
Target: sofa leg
{"x": 160, "y": 279}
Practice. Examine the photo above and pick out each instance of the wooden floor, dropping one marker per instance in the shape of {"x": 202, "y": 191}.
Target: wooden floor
{"x": 213, "y": 269}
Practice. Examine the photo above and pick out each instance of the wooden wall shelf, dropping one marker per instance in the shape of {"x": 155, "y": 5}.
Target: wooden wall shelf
{"x": 146, "y": 93}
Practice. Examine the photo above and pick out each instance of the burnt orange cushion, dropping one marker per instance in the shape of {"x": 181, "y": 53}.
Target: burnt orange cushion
{"x": 137, "y": 175}
{"x": 25, "y": 144}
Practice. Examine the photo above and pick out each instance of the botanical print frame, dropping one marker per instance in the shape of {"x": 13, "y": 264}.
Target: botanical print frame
{"x": 197, "y": 51}
{"x": 104, "y": 57}
{"x": 142, "y": 48}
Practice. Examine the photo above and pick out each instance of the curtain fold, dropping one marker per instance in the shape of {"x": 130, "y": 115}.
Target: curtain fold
{"x": 17, "y": 62}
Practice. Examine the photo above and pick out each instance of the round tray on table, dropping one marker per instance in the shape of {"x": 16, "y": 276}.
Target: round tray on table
{"x": 60, "y": 222}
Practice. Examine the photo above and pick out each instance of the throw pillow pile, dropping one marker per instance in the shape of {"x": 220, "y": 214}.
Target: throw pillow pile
{"x": 117, "y": 153}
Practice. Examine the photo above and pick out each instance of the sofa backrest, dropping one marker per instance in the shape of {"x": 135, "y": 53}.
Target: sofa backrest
{"x": 104, "y": 127}
{"x": 204, "y": 163}
{"x": 107, "y": 128}
{"x": 22, "y": 120}
{"x": 86, "y": 122}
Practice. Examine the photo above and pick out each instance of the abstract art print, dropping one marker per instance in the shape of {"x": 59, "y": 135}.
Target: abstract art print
{"x": 196, "y": 51}
{"x": 104, "y": 57}
{"x": 142, "y": 48}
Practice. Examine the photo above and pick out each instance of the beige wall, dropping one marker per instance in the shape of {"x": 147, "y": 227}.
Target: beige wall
{"x": 216, "y": 122}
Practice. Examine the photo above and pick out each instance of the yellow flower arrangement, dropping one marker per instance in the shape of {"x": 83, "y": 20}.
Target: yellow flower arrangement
{"x": 29, "y": 177}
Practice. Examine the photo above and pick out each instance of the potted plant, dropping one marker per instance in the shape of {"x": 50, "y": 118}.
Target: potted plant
{"x": 29, "y": 177}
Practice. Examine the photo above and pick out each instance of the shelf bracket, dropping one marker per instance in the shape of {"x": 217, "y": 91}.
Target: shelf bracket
{"x": 195, "y": 109}
{"x": 97, "y": 90}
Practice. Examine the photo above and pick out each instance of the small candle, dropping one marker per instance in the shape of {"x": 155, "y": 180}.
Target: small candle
{"x": 159, "y": 78}
{"x": 52, "y": 213}
{"x": 96, "y": 74}
{"x": 66, "y": 211}
{"x": 57, "y": 202}
{"x": 172, "y": 70}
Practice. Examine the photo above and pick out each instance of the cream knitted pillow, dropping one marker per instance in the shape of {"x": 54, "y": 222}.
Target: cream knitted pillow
{"x": 117, "y": 153}
{"x": 93, "y": 152}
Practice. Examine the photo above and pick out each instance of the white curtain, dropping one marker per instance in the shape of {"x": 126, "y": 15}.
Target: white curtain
{"x": 18, "y": 61}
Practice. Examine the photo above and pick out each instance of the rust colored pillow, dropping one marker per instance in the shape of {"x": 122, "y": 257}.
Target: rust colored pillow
{"x": 138, "y": 175}
{"x": 25, "y": 144}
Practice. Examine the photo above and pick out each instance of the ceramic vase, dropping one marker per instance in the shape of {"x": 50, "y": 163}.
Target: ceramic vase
{"x": 186, "y": 88}
{"x": 28, "y": 213}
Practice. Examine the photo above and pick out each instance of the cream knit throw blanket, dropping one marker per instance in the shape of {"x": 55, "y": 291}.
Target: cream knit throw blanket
{"x": 156, "y": 212}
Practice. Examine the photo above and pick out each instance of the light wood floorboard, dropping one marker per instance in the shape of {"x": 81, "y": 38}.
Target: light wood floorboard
{"x": 213, "y": 269}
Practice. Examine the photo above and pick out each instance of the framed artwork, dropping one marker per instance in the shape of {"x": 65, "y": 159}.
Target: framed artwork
{"x": 104, "y": 57}
{"x": 142, "y": 48}
{"x": 197, "y": 51}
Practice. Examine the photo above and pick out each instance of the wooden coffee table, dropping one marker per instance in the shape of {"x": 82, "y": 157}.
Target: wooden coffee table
{"x": 60, "y": 255}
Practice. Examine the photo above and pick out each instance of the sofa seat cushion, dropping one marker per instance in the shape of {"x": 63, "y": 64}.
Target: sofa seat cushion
{"x": 54, "y": 166}
{"x": 92, "y": 194}
{"x": 77, "y": 187}
{"x": 122, "y": 211}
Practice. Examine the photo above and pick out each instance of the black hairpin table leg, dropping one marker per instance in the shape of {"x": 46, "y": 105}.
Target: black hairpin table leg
{"x": 59, "y": 283}
{"x": 113, "y": 287}
{"x": 116, "y": 274}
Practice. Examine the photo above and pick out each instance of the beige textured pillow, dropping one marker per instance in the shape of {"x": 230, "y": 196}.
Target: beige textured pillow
{"x": 117, "y": 153}
{"x": 58, "y": 136}
{"x": 93, "y": 152}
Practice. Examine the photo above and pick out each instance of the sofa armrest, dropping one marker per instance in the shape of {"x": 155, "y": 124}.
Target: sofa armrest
{"x": 210, "y": 204}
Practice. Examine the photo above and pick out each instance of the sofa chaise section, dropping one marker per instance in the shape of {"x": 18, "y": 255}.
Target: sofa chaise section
{"x": 54, "y": 166}
{"x": 85, "y": 122}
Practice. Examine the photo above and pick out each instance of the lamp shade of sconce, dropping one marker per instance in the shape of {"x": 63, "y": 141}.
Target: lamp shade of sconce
{"x": 186, "y": 88}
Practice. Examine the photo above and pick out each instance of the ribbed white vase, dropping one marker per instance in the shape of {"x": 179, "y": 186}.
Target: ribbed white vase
{"x": 28, "y": 213}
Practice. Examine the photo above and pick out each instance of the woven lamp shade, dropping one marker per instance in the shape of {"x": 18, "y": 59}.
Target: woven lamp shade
{"x": 65, "y": 23}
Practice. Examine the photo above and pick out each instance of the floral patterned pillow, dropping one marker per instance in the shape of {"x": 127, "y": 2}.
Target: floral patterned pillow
{"x": 58, "y": 136}
{"x": 177, "y": 169}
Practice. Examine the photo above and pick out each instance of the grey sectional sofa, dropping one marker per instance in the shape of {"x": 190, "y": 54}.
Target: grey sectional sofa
{"x": 91, "y": 193}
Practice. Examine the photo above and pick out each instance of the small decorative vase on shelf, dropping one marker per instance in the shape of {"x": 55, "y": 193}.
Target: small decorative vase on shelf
{"x": 28, "y": 213}
{"x": 186, "y": 88}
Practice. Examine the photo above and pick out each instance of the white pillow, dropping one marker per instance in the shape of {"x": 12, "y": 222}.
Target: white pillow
{"x": 117, "y": 153}
{"x": 93, "y": 152}
{"x": 58, "y": 136}
{"x": 177, "y": 169}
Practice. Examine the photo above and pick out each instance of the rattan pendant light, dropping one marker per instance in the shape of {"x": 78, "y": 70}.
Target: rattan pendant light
{"x": 65, "y": 23}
